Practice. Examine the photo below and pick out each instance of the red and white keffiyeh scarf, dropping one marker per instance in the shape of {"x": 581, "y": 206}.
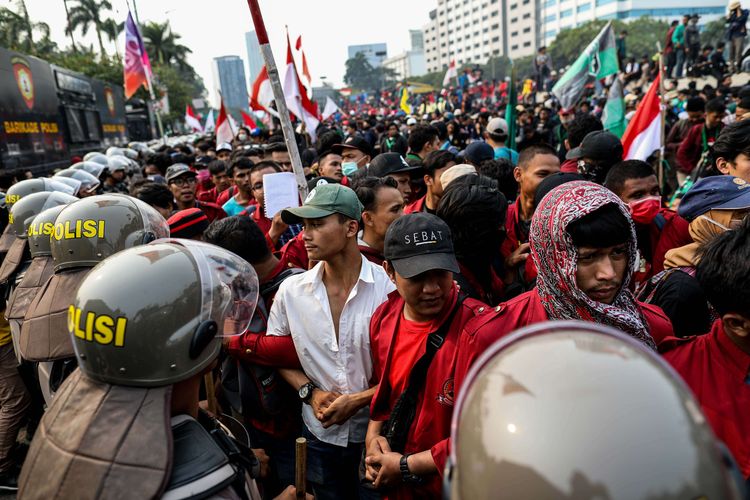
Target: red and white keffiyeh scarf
{"x": 555, "y": 257}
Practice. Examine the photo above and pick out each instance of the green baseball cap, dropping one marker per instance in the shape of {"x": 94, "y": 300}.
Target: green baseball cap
{"x": 323, "y": 201}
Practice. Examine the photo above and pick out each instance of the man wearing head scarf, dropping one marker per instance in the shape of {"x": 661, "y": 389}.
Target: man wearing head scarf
{"x": 583, "y": 245}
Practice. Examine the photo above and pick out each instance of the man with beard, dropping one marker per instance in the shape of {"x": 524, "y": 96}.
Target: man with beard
{"x": 584, "y": 247}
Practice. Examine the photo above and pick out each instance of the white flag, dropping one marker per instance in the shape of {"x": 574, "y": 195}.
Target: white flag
{"x": 451, "y": 73}
{"x": 330, "y": 108}
{"x": 210, "y": 125}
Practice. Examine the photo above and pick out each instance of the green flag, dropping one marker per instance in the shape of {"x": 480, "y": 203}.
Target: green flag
{"x": 598, "y": 60}
{"x": 613, "y": 116}
{"x": 510, "y": 109}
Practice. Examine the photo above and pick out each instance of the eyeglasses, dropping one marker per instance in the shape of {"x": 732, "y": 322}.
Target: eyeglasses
{"x": 182, "y": 182}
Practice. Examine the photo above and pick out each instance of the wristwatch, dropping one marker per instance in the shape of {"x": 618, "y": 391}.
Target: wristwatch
{"x": 306, "y": 392}
{"x": 406, "y": 476}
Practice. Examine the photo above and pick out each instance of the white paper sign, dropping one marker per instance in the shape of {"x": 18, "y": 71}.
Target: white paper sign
{"x": 279, "y": 192}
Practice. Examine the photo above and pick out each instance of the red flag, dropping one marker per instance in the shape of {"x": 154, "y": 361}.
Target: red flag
{"x": 224, "y": 132}
{"x": 296, "y": 97}
{"x": 261, "y": 93}
{"x": 248, "y": 120}
{"x": 305, "y": 69}
{"x": 643, "y": 135}
{"x": 298, "y": 44}
{"x": 191, "y": 120}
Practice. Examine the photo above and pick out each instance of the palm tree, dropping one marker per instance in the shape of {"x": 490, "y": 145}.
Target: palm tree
{"x": 87, "y": 13}
{"x": 162, "y": 44}
{"x": 17, "y": 30}
{"x": 112, "y": 29}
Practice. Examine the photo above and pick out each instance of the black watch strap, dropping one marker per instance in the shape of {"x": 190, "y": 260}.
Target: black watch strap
{"x": 406, "y": 475}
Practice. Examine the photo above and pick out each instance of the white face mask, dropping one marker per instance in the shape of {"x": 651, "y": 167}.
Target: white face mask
{"x": 242, "y": 137}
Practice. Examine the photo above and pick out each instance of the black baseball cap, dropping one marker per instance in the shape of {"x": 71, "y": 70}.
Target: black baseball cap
{"x": 419, "y": 242}
{"x": 353, "y": 142}
{"x": 390, "y": 163}
{"x": 178, "y": 170}
{"x": 320, "y": 181}
{"x": 598, "y": 145}
{"x": 477, "y": 152}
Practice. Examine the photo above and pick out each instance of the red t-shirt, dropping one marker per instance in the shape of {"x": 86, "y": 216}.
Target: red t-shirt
{"x": 430, "y": 429}
{"x": 409, "y": 338}
{"x": 716, "y": 370}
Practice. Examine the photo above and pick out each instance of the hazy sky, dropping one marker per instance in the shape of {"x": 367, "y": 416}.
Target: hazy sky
{"x": 217, "y": 28}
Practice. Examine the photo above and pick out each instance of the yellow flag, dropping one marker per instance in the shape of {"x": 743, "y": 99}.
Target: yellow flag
{"x": 405, "y": 101}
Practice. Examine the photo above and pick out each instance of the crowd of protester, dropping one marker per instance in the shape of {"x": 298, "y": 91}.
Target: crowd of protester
{"x": 440, "y": 222}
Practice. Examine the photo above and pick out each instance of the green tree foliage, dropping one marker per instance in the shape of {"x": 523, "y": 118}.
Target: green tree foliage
{"x": 361, "y": 75}
{"x": 714, "y": 32}
{"x": 88, "y": 13}
{"x": 172, "y": 72}
{"x": 643, "y": 34}
{"x": 18, "y": 32}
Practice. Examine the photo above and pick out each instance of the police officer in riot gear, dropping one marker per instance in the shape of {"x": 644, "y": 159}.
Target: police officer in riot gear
{"x": 146, "y": 325}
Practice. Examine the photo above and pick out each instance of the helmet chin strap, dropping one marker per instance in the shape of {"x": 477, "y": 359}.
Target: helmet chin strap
{"x": 203, "y": 336}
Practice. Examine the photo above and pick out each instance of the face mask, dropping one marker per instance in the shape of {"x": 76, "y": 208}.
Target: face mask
{"x": 719, "y": 224}
{"x": 242, "y": 137}
{"x": 349, "y": 167}
{"x": 645, "y": 210}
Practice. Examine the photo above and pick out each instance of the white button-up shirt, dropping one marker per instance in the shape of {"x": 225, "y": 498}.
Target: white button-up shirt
{"x": 301, "y": 309}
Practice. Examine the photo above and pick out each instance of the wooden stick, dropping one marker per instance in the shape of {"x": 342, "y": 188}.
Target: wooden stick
{"x": 278, "y": 95}
{"x": 213, "y": 406}
{"x": 301, "y": 467}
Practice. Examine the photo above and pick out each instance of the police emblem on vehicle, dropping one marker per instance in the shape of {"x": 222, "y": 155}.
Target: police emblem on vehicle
{"x": 24, "y": 80}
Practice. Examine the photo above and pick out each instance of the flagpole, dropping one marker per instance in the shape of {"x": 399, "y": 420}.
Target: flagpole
{"x": 278, "y": 94}
{"x": 148, "y": 76}
{"x": 153, "y": 100}
{"x": 662, "y": 114}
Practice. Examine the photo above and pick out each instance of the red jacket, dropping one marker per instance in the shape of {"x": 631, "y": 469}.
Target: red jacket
{"x": 524, "y": 310}
{"x": 690, "y": 151}
{"x": 674, "y": 234}
{"x": 258, "y": 348}
{"x": 417, "y": 205}
{"x": 716, "y": 370}
{"x": 431, "y": 426}
{"x": 293, "y": 254}
{"x": 513, "y": 240}
{"x": 371, "y": 254}
{"x": 569, "y": 167}
{"x": 213, "y": 212}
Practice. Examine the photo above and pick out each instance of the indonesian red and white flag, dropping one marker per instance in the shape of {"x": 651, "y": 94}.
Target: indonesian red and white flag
{"x": 451, "y": 73}
{"x": 191, "y": 120}
{"x": 305, "y": 69}
{"x": 224, "y": 130}
{"x": 643, "y": 135}
{"x": 296, "y": 97}
{"x": 261, "y": 93}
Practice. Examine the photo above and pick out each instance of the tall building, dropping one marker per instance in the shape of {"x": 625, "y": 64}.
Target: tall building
{"x": 374, "y": 52}
{"x": 472, "y": 31}
{"x": 557, "y": 15}
{"x": 254, "y": 58}
{"x": 411, "y": 62}
{"x": 469, "y": 31}
{"x": 229, "y": 79}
